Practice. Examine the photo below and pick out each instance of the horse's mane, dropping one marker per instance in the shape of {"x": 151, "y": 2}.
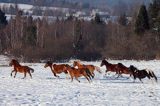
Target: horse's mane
{"x": 133, "y": 68}
{"x": 78, "y": 61}
{"x": 15, "y": 61}
{"x": 49, "y": 62}
{"x": 120, "y": 64}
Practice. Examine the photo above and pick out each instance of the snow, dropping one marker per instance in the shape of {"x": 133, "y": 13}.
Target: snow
{"x": 20, "y": 6}
{"x": 28, "y": 7}
{"x": 46, "y": 90}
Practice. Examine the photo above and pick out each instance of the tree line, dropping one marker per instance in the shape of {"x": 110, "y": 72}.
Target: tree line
{"x": 35, "y": 39}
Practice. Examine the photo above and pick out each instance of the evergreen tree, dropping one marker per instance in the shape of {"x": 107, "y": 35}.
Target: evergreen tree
{"x": 78, "y": 37}
{"x": 154, "y": 15}
{"x": 97, "y": 19}
{"x": 122, "y": 20}
{"x": 3, "y": 21}
{"x": 31, "y": 35}
{"x": 142, "y": 20}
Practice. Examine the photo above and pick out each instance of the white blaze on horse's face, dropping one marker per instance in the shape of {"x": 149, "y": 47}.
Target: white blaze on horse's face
{"x": 76, "y": 67}
{"x": 52, "y": 67}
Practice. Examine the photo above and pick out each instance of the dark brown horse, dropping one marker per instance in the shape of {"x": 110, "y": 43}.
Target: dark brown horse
{"x": 75, "y": 73}
{"x": 109, "y": 66}
{"x": 123, "y": 69}
{"x": 91, "y": 68}
{"x": 140, "y": 74}
{"x": 20, "y": 68}
{"x": 56, "y": 69}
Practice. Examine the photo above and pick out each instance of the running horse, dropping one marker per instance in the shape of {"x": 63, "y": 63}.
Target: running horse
{"x": 140, "y": 74}
{"x": 56, "y": 69}
{"x": 91, "y": 68}
{"x": 109, "y": 66}
{"x": 20, "y": 68}
{"x": 75, "y": 73}
{"x": 123, "y": 70}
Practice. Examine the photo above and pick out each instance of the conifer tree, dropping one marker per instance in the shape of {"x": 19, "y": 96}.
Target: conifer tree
{"x": 122, "y": 20}
{"x": 3, "y": 21}
{"x": 142, "y": 20}
{"x": 154, "y": 15}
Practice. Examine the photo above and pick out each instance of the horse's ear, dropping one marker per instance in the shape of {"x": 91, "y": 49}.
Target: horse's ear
{"x": 104, "y": 58}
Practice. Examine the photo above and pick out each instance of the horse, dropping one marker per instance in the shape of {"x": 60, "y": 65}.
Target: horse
{"x": 75, "y": 73}
{"x": 140, "y": 74}
{"x": 20, "y": 68}
{"x": 56, "y": 69}
{"x": 91, "y": 68}
{"x": 109, "y": 66}
{"x": 123, "y": 69}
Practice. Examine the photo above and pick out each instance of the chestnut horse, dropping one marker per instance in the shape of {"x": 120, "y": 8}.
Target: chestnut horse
{"x": 78, "y": 73}
{"x": 20, "y": 68}
{"x": 123, "y": 69}
{"x": 109, "y": 66}
{"x": 56, "y": 69}
{"x": 140, "y": 74}
{"x": 91, "y": 68}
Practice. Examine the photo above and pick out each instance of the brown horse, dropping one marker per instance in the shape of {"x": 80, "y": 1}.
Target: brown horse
{"x": 20, "y": 68}
{"x": 91, "y": 68}
{"x": 140, "y": 74}
{"x": 123, "y": 70}
{"x": 56, "y": 69}
{"x": 78, "y": 73}
{"x": 109, "y": 66}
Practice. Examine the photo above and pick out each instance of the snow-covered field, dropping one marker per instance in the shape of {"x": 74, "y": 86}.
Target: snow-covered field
{"x": 46, "y": 90}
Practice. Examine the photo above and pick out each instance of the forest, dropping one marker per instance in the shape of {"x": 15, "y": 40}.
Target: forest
{"x": 64, "y": 39}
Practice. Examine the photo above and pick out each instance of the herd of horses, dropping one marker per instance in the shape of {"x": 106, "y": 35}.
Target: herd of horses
{"x": 78, "y": 69}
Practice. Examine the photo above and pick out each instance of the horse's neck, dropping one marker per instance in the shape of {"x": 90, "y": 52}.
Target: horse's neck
{"x": 51, "y": 66}
{"x": 79, "y": 65}
{"x": 107, "y": 64}
{"x": 16, "y": 65}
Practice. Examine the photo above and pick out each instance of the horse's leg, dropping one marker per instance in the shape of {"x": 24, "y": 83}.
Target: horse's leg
{"x": 77, "y": 79}
{"x": 12, "y": 72}
{"x": 55, "y": 74}
{"x": 71, "y": 78}
{"x": 93, "y": 74}
{"x": 140, "y": 80}
{"x": 106, "y": 73}
{"x": 67, "y": 76}
{"x": 87, "y": 79}
{"x": 119, "y": 74}
{"x": 154, "y": 76}
{"x": 24, "y": 75}
{"x": 134, "y": 81}
{"x": 30, "y": 74}
{"x": 15, "y": 74}
{"x": 89, "y": 74}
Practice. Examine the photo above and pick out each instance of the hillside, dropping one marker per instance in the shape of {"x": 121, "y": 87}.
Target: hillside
{"x": 96, "y": 3}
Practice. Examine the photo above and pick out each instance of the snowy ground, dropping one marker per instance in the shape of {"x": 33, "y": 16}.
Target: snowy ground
{"x": 46, "y": 90}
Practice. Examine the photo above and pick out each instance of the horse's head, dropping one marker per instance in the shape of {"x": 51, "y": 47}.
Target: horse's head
{"x": 103, "y": 62}
{"x": 48, "y": 64}
{"x": 75, "y": 63}
{"x": 66, "y": 66}
{"x": 13, "y": 62}
{"x": 133, "y": 69}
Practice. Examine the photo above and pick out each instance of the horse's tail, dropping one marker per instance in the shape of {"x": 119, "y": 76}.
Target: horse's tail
{"x": 151, "y": 73}
{"x": 32, "y": 70}
{"x": 89, "y": 74}
{"x": 98, "y": 69}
